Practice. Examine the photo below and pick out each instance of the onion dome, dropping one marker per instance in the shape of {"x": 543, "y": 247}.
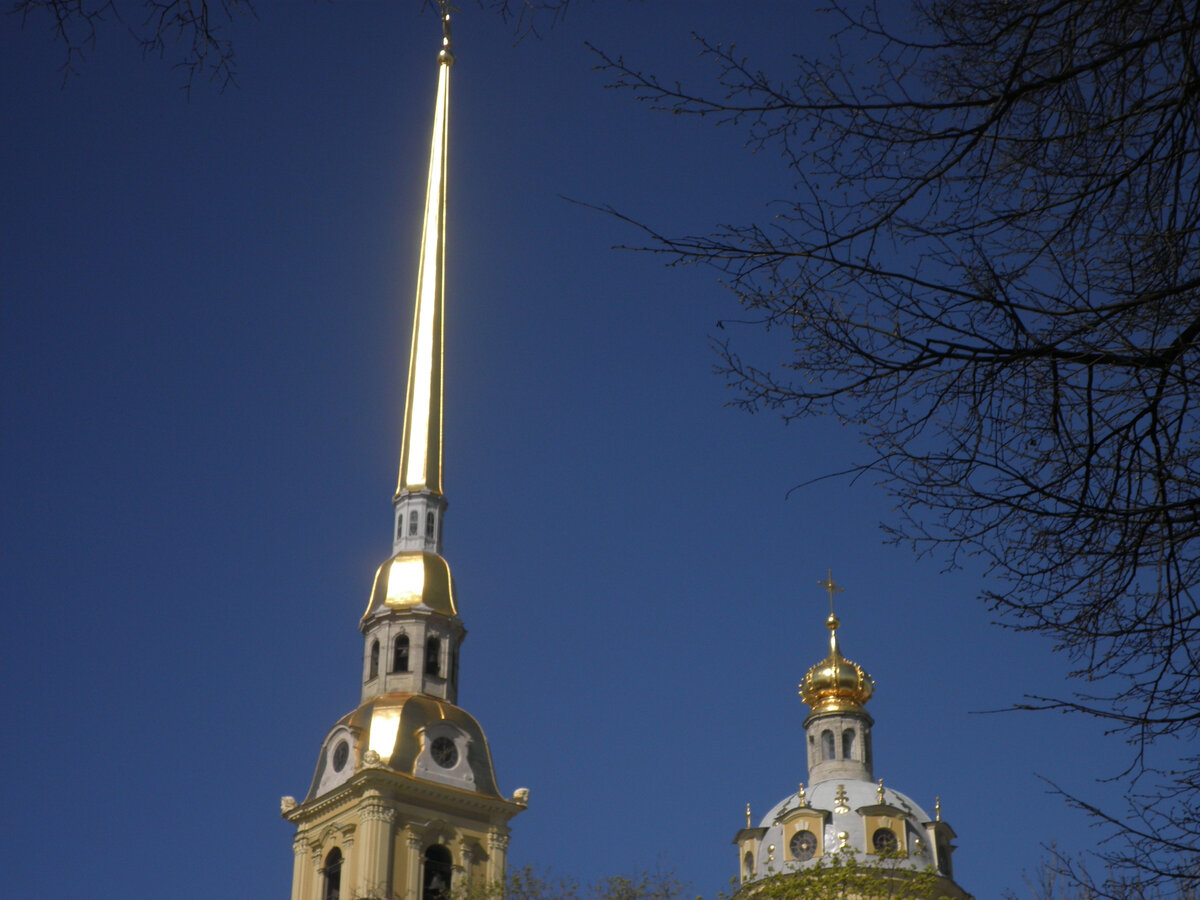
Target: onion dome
{"x": 836, "y": 684}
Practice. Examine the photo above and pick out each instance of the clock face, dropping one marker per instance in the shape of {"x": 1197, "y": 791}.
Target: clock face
{"x": 884, "y": 840}
{"x": 341, "y": 753}
{"x": 444, "y": 753}
{"x": 803, "y": 845}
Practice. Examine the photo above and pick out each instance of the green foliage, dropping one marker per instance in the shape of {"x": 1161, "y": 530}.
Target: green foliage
{"x": 845, "y": 875}
{"x": 530, "y": 883}
{"x": 841, "y": 875}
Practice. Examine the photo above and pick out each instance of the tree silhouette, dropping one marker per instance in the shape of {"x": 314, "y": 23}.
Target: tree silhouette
{"x": 989, "y": 266}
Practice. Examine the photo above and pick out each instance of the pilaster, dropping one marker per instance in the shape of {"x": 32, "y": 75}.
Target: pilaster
{"x": 302, "y": 869}
{"x": 374, "y": 845}
{"x": 412, "y": 887}
{"x": 497, "y": 856}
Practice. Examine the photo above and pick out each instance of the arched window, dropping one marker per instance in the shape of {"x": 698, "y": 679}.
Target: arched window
{"x": 374, "y": 669}
{"x": 332, "y": 872}
{"x": 433, "y": 663}
{"x": 399, "y": 526}
{"x": 429, "y": 525}
{"x": 412, "y": 523}
{"x": 884, "y": 840}
{"x": 848, "y": 744}
{"x": 748, "y": 866}
{"x": 400, "y": 654}
{"x": 827, "y": 748}
{"x": 438, "y": 868}
{"x": 453, "y": 665}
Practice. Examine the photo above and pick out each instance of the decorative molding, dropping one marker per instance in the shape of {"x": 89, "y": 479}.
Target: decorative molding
{"x": 497, "y": 841}
{"x": 376, "y": 811}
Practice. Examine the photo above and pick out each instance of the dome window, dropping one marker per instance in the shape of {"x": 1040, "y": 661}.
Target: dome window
{"x": 884, "y": 840}
{"x": 848, "y": 744}
{"x": 429, "y": 526}
{"x": 412, "y": 523}
{"x": 341, "y": 755}
{"x": 400, "y": 654}
{"x": 332, "y": 889}
{"x": 433, "y": 662}
{"x": 803, "y": 845}
{"x": 438, "y": 869}
{"x": 827, "y": 747}
{"x": 373, "y": 669}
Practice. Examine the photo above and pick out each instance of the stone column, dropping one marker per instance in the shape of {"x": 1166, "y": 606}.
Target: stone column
{"x": 374, "y": 841}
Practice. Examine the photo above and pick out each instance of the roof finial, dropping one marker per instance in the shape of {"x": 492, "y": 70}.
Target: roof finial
{"x": 830, "y": 589}
{"x": 747, "y": 815}
{"x": 446, "y": 55}
{"x": 832, "y": 622}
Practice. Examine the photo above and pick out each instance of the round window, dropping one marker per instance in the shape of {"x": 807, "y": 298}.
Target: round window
{"x": 341, "y": 753}
{"x": 803, "y": 845}
{"x": 444, "y": 753}
{"x": 884, "y": 840}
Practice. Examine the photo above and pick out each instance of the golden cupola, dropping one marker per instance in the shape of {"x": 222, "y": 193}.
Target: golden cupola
{"x": 836, "y": 684}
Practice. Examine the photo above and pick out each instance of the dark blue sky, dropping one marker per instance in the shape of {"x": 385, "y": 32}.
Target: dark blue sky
{"x": 205, "y": 326}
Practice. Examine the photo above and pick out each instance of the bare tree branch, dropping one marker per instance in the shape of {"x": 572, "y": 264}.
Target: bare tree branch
{"x": 989, "y": 266}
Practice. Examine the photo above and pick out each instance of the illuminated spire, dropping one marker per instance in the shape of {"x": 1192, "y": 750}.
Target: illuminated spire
{"x": 421, "y": 451}
{"x": 420, "y": 504}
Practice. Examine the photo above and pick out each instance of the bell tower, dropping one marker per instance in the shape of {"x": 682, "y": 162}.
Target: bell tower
{"x": 404, "y": 803}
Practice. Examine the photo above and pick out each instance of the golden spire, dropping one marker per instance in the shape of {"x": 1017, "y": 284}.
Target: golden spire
{"x": 835, "y": 683}
{"x": 421, "y": 450}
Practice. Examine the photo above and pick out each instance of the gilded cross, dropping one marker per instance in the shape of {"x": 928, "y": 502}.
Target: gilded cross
{"x": 830, "y": 588}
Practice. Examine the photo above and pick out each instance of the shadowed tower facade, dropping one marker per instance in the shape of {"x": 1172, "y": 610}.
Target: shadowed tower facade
{"x": 404, "y": 802}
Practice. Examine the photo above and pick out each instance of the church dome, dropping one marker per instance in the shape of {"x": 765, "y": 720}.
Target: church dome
{"x": 844, "y": 814}
{"x": 412, "y": 734}
{"x": 837, "y": 817}
{"x": 836, "y": 684}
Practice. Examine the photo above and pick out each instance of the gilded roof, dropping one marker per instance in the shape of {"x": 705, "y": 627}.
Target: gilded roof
{"x": 836, "y": 684}
{"x": 412, "y": 579}
{"x": 391, "y": 725}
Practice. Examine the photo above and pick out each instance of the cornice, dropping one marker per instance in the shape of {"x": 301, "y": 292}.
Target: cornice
{"x": 407, "y": 788}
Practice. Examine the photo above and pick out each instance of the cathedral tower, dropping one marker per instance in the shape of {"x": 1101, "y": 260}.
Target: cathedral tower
{"x": 404, "y": 803}
{"x": 844, "y": 813}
